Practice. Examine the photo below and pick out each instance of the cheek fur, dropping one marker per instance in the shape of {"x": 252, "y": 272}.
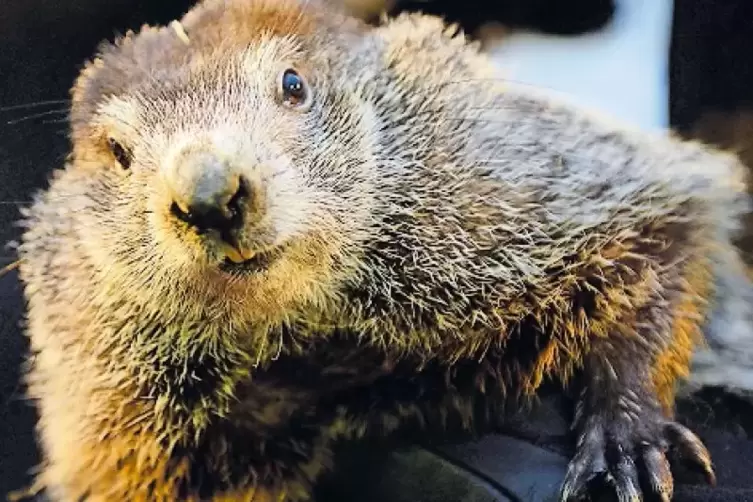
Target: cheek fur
{"x": 341, "y": 169}
{"x": 291, "y": 203}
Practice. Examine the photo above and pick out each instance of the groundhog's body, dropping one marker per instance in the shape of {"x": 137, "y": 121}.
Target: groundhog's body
{"x": 442, "y": 244}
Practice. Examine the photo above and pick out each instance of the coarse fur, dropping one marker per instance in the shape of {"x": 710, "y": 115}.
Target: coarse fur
{"x": 443, "y": 244}
{"x": 726, "y": 361}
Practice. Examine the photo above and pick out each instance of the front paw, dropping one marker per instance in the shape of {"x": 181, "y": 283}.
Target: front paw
{"x": 632, "y": 458}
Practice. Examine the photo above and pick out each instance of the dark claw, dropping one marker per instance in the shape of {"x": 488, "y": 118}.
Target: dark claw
{"x": 627, "y": 464}
{"x": 580, "y": 472}
{"x": 658, "y": 473}
{"x": 691, "y": 448}
{"x": 625, "y": 478}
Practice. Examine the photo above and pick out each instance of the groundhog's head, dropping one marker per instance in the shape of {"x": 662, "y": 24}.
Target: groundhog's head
{"x": 225, "y": 154}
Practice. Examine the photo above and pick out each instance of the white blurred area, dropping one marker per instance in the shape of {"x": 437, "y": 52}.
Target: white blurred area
{"x": 621, "y": 70}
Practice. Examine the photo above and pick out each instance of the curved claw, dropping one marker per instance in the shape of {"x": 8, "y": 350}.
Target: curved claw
{"x": 625, "y": 479}
{"x": 629, "y": 467}
{"x": 582, "y": 469}
{"x": 690, "y": 447}
{"x": 658, "y": 473}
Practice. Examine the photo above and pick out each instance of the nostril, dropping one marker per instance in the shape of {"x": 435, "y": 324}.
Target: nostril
{"x": 235, "y": 202}
{"x": 203, "y": 218}
{"x": 195, "y": 217}
{"x": 179, "y": 213}
{"x": 217, "y": 211}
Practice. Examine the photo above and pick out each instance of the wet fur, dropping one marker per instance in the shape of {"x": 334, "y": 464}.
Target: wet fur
{"x": 451, "y": 243}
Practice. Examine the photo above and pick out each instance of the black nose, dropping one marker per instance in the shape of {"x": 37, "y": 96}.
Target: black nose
{"x": 207, "y": 194}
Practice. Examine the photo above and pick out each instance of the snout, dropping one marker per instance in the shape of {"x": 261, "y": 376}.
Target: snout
{"x": 214, "y": 197}
{"x": 207, "y": 193}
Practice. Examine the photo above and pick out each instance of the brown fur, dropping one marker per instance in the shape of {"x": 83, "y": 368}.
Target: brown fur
{"x": 445, "y": 242}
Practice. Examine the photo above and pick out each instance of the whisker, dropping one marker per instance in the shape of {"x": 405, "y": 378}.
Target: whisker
{"x": 36, "y": 116}
{"x": 35, "y": 104}
{"x": 8, "y": 268}
{"x": 61, "y": 121}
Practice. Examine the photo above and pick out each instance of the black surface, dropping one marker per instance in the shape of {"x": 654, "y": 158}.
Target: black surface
{"x": 528, "y": 464}
{"x": 710, "y": 63}
{"x": 42, "y": 44}
{"x": 562, "y": 17}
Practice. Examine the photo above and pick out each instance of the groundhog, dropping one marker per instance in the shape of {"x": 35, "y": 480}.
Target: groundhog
{"x": 279, "y": 229}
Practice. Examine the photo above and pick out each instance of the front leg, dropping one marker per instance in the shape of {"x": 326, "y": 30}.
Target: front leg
{"x": 195, "y": 430}
{"x": 623, "y": 424}
{"x": 137, "y": 463}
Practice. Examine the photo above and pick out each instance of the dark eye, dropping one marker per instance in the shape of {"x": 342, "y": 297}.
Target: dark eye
{"x": 122, "y": 155}
{"x": 294, "y": 89}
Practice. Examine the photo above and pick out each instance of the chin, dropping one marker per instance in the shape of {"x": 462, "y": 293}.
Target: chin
{"x": 269, "y": 285}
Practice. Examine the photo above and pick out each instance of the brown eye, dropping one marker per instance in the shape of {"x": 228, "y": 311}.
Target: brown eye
{"x": 122, "y": 155}
{"x": 294, "y": 89}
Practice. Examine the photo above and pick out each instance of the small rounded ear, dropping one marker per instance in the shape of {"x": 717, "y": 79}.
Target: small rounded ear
{"x": 242, "y": 18}
{"x": 83, "y": 94}
{"x": 415, "y": 43}
{"x": 98, "y": 78}
{"x": 116, "y": 66}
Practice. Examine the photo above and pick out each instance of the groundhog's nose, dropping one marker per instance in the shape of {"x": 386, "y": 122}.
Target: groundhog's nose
{"x": 206, "y": 192}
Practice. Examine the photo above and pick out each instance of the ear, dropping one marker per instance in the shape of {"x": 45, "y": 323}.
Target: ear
{"x": 247, "y": 20}
{"x": 117, "y": 66}
{"x": 101, "y": 76}
{"x": 87, "y": 89}
{"x": 415, "y": 44}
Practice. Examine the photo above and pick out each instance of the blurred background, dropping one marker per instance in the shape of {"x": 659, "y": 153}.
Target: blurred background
{"x": 683, "y": 64}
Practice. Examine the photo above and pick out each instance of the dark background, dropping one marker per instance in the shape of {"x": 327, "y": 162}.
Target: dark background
{"x": 44, "y": 42}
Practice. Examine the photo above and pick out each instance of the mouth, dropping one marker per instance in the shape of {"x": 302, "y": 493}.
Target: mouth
{"x": 247, "y": 262}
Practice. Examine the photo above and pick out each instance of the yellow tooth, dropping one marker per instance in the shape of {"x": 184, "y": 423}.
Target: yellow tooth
{"x": 247, "y": 253}
{"x": 232, "y": 254}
